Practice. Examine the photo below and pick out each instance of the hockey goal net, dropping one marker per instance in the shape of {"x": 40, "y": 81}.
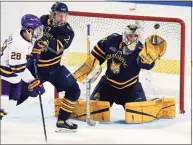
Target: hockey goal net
{"x": 166, "y": 79}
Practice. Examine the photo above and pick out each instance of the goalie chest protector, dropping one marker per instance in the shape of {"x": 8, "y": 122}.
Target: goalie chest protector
{"x": 120, "y": 68}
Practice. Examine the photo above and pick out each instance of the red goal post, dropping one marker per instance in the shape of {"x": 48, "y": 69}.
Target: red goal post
{"x": 78, "y": 19}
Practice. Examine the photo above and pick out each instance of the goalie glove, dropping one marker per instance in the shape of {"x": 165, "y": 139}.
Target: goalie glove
{"x": 154, "y": 48}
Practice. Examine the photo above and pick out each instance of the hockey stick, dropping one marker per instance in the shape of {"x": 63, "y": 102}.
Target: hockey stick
{"x": 88, "y": 86}
{"x": 36, "y": 73}
{"x": 88, "y": 119}
{"x": 54, "y": 51}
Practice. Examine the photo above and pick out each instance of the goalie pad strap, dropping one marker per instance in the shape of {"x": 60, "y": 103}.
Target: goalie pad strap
{"x": 95, "y": 112}
{"x": 141, "y": 113}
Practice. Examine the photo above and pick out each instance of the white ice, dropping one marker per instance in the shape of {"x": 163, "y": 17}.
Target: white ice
{"x": 24, "y": 125}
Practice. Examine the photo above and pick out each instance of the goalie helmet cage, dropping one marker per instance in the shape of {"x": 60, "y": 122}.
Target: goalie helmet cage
{"x": 102, "y": 20}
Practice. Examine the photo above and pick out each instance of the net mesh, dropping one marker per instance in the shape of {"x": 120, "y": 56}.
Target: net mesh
{"x": 162, "y": 81}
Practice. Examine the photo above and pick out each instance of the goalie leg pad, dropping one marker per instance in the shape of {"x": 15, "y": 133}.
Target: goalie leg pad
{"x": 57, "y": 103}
{"x": 140, "y": 112}
{"x": 100, "y": 110}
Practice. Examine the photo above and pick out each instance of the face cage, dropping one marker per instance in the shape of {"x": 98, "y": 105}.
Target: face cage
{"x": 57, "y": 24}
{"x": 129, "y": 46}
{"x": 38, "y": 32}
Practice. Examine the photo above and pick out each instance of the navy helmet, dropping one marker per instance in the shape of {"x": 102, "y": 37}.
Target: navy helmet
{"x": 58, "y": 7}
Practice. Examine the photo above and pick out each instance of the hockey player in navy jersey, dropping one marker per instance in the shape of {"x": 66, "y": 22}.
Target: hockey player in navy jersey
{"x": 13, "y": 61}
{"x": 58, "y": 36}
{"x": 125, "y": 56}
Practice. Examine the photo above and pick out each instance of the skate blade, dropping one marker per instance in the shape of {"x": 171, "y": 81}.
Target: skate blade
{"x": 65, "y": 130}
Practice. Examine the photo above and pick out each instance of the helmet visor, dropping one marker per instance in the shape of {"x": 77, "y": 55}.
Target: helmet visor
{"x": 38, "y": 32}
{"x": 131, "y": 38}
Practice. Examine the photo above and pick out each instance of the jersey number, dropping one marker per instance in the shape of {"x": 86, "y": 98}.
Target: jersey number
{"x": 15, "y": 55}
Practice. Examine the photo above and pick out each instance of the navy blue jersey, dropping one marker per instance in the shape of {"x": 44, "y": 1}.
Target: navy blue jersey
{"x": 58, "y": 37}
{"x": 122, "y": 70}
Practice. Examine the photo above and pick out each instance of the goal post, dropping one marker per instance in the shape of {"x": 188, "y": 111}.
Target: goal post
{"x": 169, "y": 71}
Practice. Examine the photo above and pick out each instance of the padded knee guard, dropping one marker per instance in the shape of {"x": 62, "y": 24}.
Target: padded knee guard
{"x": 73, "y": 93}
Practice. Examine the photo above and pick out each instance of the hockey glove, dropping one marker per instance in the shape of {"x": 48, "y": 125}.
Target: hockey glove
{"x": 35, "y": 87}
{"x": 43, "y": 42}
{"x": 154, "y": 47}
{"x": 35, "y": 55}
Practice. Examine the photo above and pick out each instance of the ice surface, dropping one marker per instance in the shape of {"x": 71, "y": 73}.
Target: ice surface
{"x": 24, "y": 125}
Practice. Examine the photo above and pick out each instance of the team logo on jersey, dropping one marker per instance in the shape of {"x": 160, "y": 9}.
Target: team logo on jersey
{"x": 115, "y": 67}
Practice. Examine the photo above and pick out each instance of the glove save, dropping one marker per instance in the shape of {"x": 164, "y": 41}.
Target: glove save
{"x": 154, "y": 47}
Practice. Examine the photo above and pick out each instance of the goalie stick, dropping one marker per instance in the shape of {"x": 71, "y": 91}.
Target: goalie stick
{"x": 89, "y": 121}
{"x": 88, "y": 86}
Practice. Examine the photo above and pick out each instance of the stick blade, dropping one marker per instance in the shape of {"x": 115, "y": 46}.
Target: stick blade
{"x": 91, "y": 122}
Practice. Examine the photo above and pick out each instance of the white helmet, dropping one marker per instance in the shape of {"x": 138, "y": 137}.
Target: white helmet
{"x": 131, "y": 36}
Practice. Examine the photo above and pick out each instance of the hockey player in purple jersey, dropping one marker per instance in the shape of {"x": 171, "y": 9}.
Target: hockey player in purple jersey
{"x": 13, "y": 60}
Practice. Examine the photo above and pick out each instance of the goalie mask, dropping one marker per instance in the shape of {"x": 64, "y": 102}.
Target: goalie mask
{"x": 59, "y": 14}
{"x": 130, "y": 39}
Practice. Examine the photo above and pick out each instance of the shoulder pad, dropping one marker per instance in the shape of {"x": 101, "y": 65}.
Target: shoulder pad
{"x": 115, "y": 34}
{"x": 67, "y": 26}
{"x": 44, "y": 19}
